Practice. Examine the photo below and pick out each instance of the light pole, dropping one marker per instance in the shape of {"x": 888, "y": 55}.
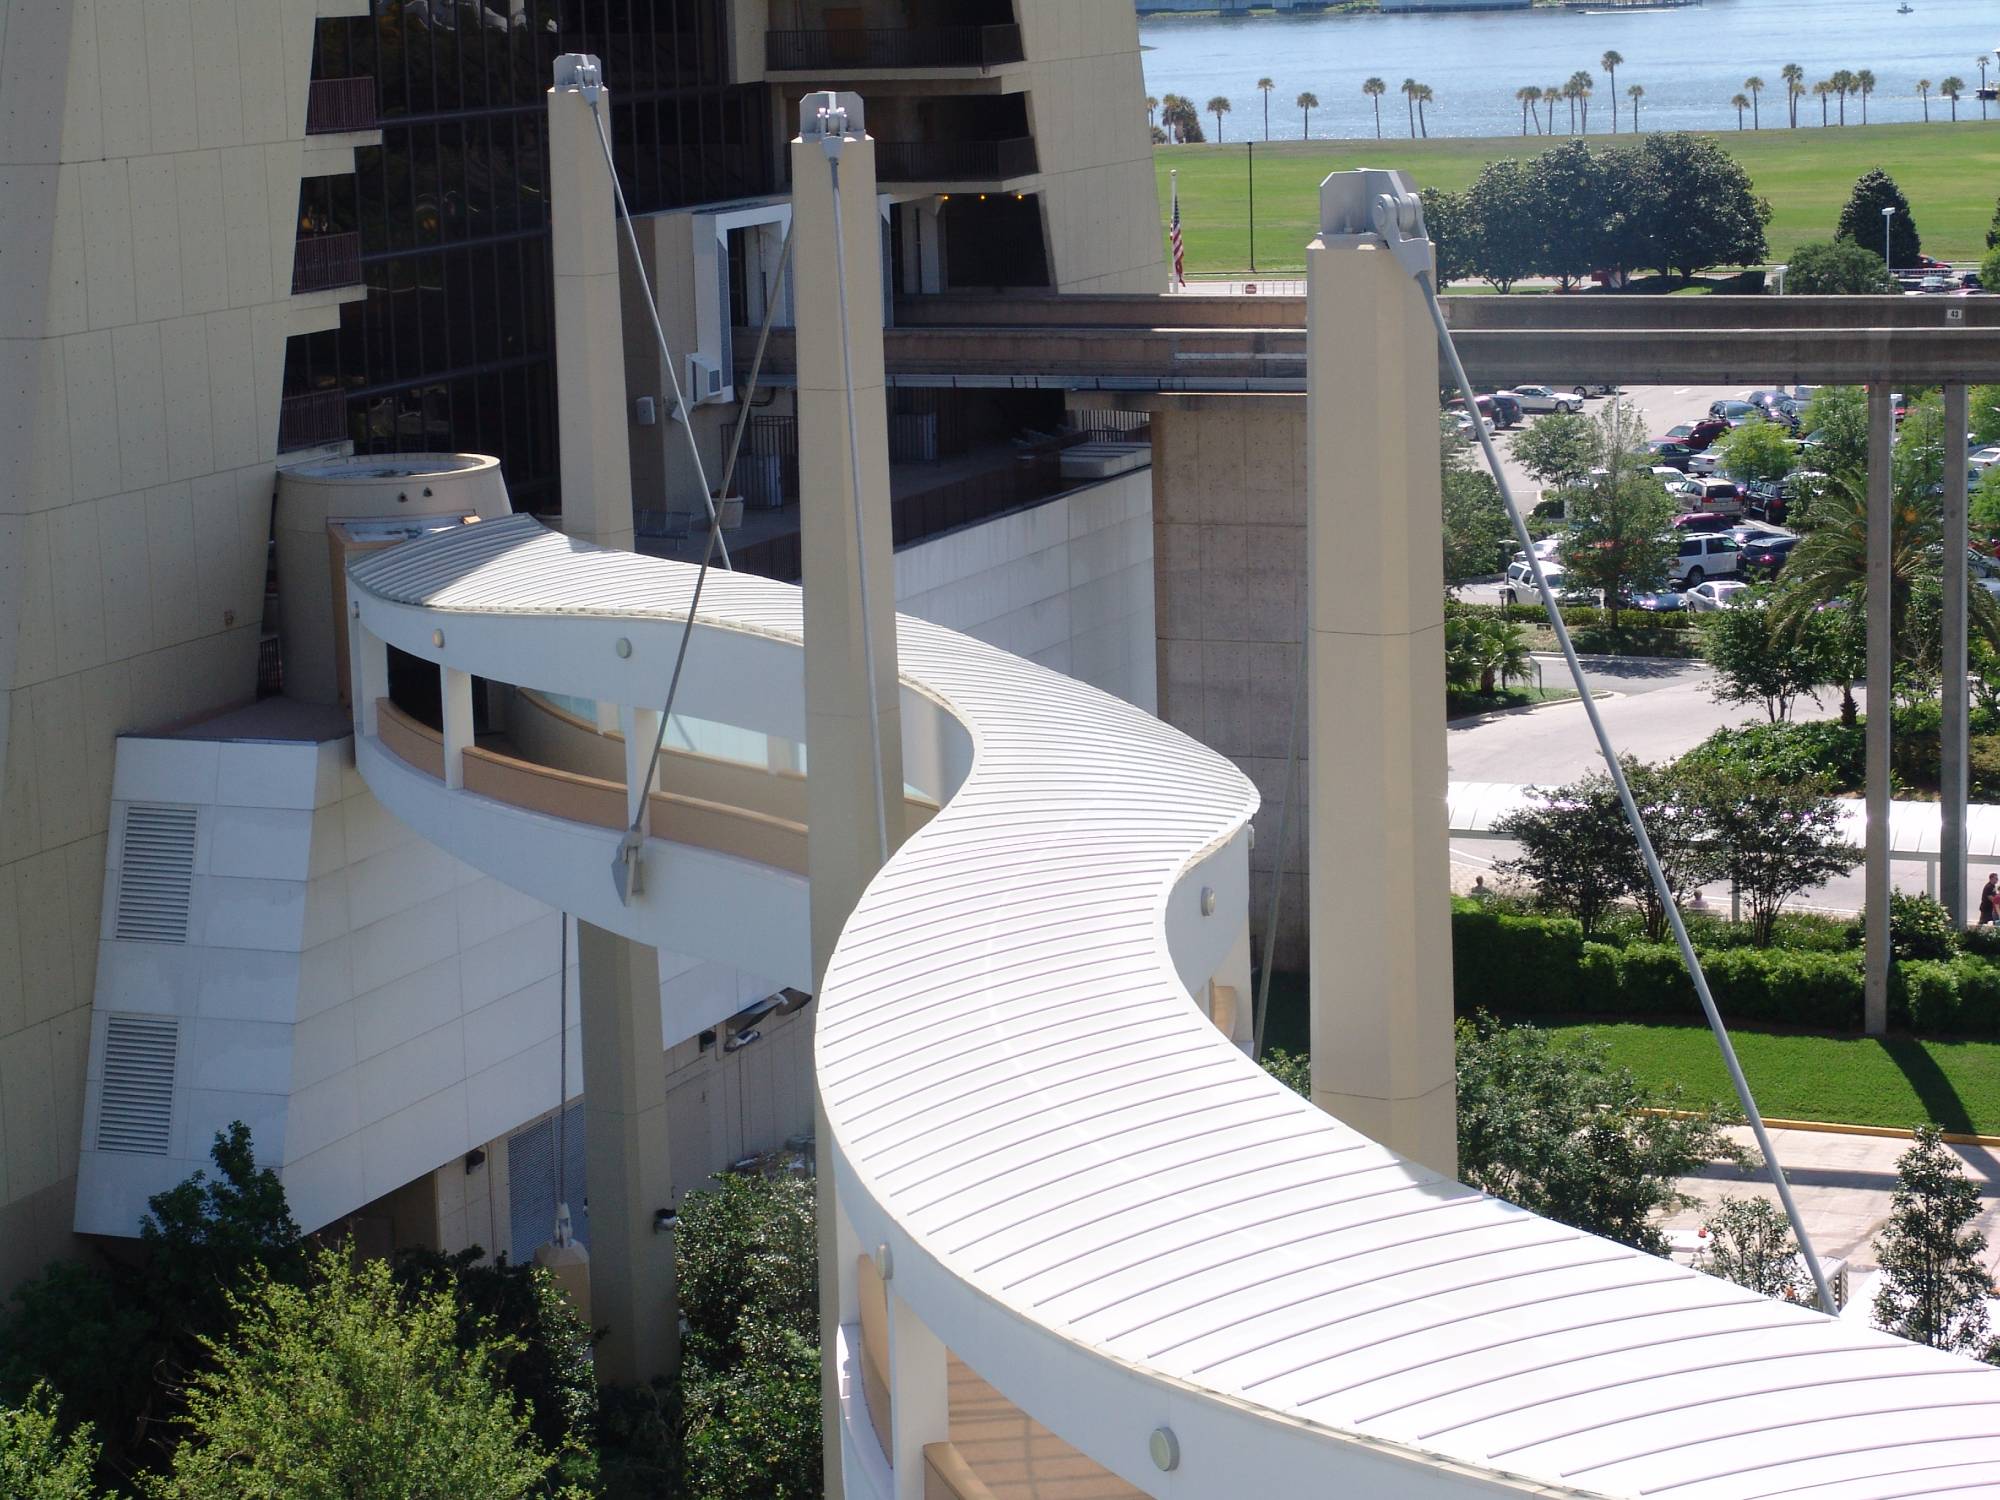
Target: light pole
{"x": 1887, "y": 214}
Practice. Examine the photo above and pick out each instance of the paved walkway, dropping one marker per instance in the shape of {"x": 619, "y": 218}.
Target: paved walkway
{"x": 1843, "y": 1184}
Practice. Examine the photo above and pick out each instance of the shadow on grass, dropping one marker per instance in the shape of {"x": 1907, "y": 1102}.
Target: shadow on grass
{"x": 1940, "y": 1099}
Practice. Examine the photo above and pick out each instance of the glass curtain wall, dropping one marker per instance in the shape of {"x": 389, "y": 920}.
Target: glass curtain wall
{"x": 453, "y": 348}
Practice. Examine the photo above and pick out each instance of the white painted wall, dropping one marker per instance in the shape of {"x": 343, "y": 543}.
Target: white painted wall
{"x": 1068, "y": 584}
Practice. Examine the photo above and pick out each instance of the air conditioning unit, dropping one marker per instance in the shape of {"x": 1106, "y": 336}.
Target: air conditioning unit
{"x": 707, "y": 382}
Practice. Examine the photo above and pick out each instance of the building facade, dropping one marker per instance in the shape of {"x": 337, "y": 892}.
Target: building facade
{"x": 331, "y": 236}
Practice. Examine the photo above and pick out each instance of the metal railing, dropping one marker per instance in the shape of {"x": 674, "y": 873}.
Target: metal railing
{"x": 925, "y": 47}
{"x": 954, "y": 161}
{"x": 312, "y": 420}
{"x": 321, "y": 262}
{"x": 335, "y": 105}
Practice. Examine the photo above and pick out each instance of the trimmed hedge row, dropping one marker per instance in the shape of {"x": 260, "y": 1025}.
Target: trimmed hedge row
{"x": 1503, "y": 962}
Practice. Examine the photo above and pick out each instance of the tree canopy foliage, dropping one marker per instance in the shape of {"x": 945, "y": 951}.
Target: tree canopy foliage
{"x": 1750, "y": 1242}
{"x": 1836, "y": 268}
{"x": 1933, "y": 1285}
{"x": 1861, "y": 218}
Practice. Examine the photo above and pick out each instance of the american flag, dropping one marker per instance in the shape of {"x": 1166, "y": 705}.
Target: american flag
{"x": 1174, "y": 234}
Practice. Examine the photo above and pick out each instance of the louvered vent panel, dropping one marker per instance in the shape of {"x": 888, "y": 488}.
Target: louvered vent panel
{"x": 136, "y": 1110}
{"x": 156, "y": 879}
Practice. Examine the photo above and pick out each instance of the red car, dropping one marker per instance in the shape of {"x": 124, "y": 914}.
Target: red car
{"x": 1696, "y": 436}
{"x": 1703, "y": 520}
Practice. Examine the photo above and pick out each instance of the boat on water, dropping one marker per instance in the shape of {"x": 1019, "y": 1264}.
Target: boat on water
{"x": 1905, "y": 9}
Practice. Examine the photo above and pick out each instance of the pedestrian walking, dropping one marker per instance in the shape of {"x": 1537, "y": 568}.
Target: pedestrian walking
{"x": 1989, "y": 900}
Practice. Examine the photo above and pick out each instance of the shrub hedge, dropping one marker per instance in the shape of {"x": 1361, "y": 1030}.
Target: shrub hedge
{"x": 1507, "y": 962}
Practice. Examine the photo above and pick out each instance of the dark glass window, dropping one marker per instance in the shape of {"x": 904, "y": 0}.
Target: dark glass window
{"x": 453, "y": 346}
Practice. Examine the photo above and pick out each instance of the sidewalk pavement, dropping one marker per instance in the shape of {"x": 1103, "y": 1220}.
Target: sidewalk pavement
{"x": 1843, "y": 1185}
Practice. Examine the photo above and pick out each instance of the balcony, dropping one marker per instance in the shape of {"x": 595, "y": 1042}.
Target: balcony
{"x": 955, "y": 161}
{"x": 336, "y": 106}
{"x": 312, "y": 420}
{"x": 323, "y": 262}
{"x": 869, "y": 51}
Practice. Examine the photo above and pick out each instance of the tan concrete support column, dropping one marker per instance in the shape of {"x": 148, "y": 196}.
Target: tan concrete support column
{"x": 625, "y": 1124}
{"x": 1881, "y": 687}
{"x": 1381, "y": 938}
{"x": 1955, "y": 708}
{"x": 455, "y": 693}
{"x": 919, "y": 1396}
{"x": 590, "y": 340}
{"x": 843, "y": 787}
{"x": 370, "y": 655}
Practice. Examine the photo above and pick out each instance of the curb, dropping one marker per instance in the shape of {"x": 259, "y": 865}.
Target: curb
{"x": 1830, "y": 1127}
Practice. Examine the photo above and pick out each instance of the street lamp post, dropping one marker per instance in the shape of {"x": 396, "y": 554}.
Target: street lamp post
{"x": 1887, "y": 214}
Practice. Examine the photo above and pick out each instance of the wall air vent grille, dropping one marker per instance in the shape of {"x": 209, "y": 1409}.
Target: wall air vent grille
{"x": 136, "y": 1106}
{"x": 156, "y": 877}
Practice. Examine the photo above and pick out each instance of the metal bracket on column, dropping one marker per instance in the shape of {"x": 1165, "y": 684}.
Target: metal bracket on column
{"x": 628, "y": 866}
{"x": 828, "y": 116}
{"x": 580, "y": 71}
{"x": 1382, "y": 203}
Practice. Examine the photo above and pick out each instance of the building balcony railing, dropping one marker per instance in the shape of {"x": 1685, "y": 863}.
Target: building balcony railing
{"x": 321, "y": 262}
{"x": 312, "y": 420}
{"x": 954, "y": 161}
{"x": 865, "y": 50}
{"x": 336, "y": 105}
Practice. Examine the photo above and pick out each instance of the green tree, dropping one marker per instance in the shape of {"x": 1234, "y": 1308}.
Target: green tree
{"x": 1993, "y": 229}
{"x": 1776, "y": 839}
{"x": 36, "y": 1461}
{"x": 1578, "y": 89}
{"x": 1572, "y": 202}
{"x": 1577, "y": 848}
{"x": 1795, "y": 87}
{"x": 1758, "y": 660}
{"x": 1374, "y": 88}
{"x": 1635, "y": 92}
{"x": 1610, "y": 63}
{"x": 1923, "y": 91}
{"x": 1984, "y": 402}
{"x": 753, "y": 1430}
{"x": 1308, "y": 102}
{"x": 1984, "y": 504}
{"x": 1757, "y": 450}
{"x": 1861, "y": 218}
{"x": 1264, "y": 87}
{"x": 1953, "y": 88}
{"x": 343, "y": 1390}
{"x": 1754, "y": 87}
{"x": 1741, "y": 104}
{"x": 1408, "y": 89}
{"x": 1750, "y": 1242}
{"x": 1989, "y": 269}
{"x": 1560, "y": 449}
{"x": 1483, "y": 652}
{"x": 1454, "y": 234}
{"x": 1528, "y": 98}
{"x": 1836, "y": 268}
{"x": 1695, "y": 206}
{"x": 1670, "y": 805}
{"x": 1475, "y": 523}
{"x": 1837, "y": 417}
{"x": 1933, "y": 1286}
{"x": 1619, "y": 541}
{"x": 1864, "y": 85}
{"x": 1554, "y": 1127}
{"x": 1292, "y": 1069}
{"x": 1218, "y": 106}
{"x": 1503, "y": 203}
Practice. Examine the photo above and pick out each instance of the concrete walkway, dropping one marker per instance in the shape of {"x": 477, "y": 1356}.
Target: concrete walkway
{"x": 1843, "y": 1184}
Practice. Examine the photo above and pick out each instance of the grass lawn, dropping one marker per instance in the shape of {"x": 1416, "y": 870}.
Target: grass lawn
{"x": 1895, "y": 1082}
{"x": 1950, "y": 173}
{"x": 1465, "y": 705}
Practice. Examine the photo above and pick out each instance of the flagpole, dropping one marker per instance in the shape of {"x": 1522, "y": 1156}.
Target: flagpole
{"x": 1176, "y": 280}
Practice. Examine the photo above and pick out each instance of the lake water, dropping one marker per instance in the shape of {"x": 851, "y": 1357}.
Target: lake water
{"x": 1690, "y": 62}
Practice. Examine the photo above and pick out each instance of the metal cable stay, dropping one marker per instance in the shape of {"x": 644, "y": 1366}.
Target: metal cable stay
{"x": 1398, "y": 219}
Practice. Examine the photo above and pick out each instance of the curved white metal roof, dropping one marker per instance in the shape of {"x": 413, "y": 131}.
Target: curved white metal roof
{"x": 1120, "y": 1221}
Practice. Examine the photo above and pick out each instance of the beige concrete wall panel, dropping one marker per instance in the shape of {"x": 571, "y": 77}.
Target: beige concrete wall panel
{"x": 142, "y": 403}
{"x": 218, "y": 102}
{"x": 78, "y": 593}
{"x": 48, "y": 959}
{"x": 107, "y": 712}
{"x": 126, "y": 574}
{"x": 171, "y": 83}
{"x": 233, "y": 400}
{"x": 222, "y": 543}
{"x": 34, "y": 48}
{"x": 27, "y": 1106}
{"x": 261, "y": 31}
{"x": 1247, "y": 695}
{"x": 34, "y": 429}
{"x": 13, "y": 996}
{"x": 270, "y": 323}
{"x": 41, "y": 252}
{"x": 90, "y": 391}
{"x": 246, "y": 226}
{"x": 1182, "y": 699}
{"x": 282, "y": 160}
{"x": 184, "y": 384}
{"x": 204, "y": 255}
{"x": 156, "y": 240}
{"x": 107, "y": 242}
{"x": 170, "y": 539}
{"x": 17, "y": 802}
{"x": 124, "y": 94}
{"x": 61, "y": 771}
{"x": 35, "y": 652}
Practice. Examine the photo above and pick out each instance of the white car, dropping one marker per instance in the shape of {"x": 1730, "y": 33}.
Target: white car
{"x": 1518, "y": 587}
{"x": 1545, "y": 549}
{"x": 1706, "y": 462}
{"x": 1706, "y": 597}
{"x": 1702, "y": 556}
{"x": 1539, "y": 398}
{"x": 1982, "y": 459}
{"x": 1464, "y": 424}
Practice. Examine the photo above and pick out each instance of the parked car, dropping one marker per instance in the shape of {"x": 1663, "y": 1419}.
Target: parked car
{"x": 1982, "y": 459}
{"x": 1489, "y": 408}
{"x": 1669, "y": 453}
{"x": 1736, "y": 412}
{"x": 1724, "y": 495}
{"x": 1518, "y": 587}
{"x": 1698, "y": 435}
{"x": 1545, "y": 548}
{"x": 1766, "y": 555}
{"x": 1702, "y": 557}
{"x": 1667, "y": 475}
{"x": 1656, "y": 601}
{"x": 1506, "y": 408}
{"x": 1465, "y": 428}
{"x": 1705, "y": 465}
{"x": 1765, "y": 500}
{"x": 1539, "y": 398}
{"x": 1707, "y": 597}
{"x": 1702, "y": 520}
{"x": 1595, "y": 390}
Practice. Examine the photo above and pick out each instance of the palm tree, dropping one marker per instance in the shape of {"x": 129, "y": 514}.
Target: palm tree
{"x": 1152, "y": 104}
{"x": 1375, "y": 88}
{"x": 1795, "y": 85}
{"x": 1981, "y": 60}
{"x": 1864, "y": 85}
{"x": 1635, "y": 92}
{"x": 1528, "y": 98}
{"x": 1740, "y": 103}
{"x": 1843, "y": 85}
{"x": 1609, "y": 62}
{"x": 1924, "y": 88}
{"x": 1754, "y": 87}
{"x": 1264, "y": 87}
{"x": 1582, "y": 83}
{"x": 1308, "y": 103}
{"x": 1951, "y": 88}
{"x": 1178, "y": 117}
{"x": 1409, "y": 93}
{"x": 1424, "y": 96}
{"x": 1218, "y": 106}
{"x": 1823, "y": 91}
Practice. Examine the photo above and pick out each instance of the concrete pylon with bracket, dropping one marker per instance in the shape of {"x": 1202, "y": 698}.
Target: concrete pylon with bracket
{"x": 1380, "y": 917}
